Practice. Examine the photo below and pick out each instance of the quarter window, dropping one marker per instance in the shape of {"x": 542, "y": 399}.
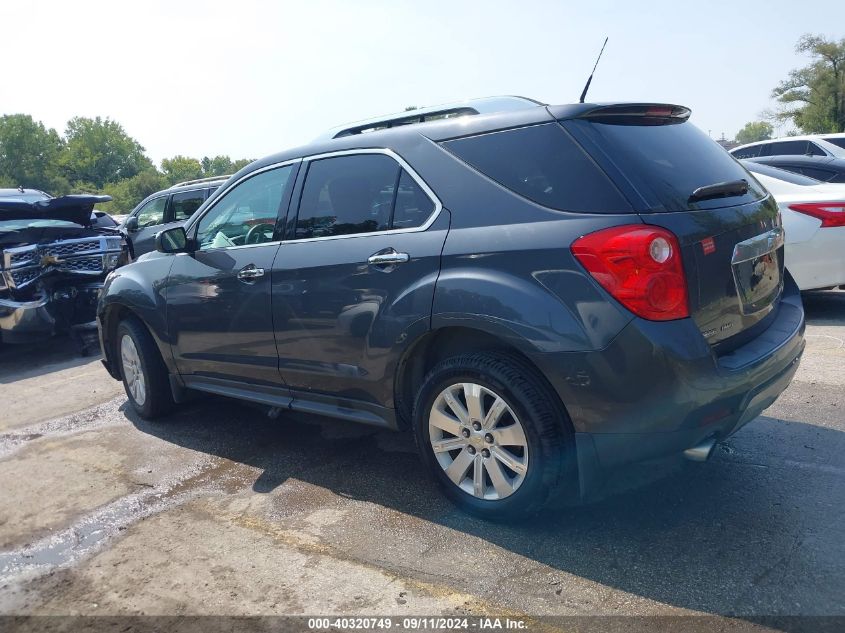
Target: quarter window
{"x": 362, "y": 193}
{"x": 184, "y": 204}
{"x": 248, "y": 213}
{"x": 152, "y": 213}
{"x": 544, "y": 164}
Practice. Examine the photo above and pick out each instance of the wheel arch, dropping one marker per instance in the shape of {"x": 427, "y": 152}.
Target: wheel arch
{"x": 111, "y": 315}
{"x": 439, "y": 344}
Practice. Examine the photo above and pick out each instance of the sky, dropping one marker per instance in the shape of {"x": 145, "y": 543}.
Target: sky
{"x": 249, "y": 78}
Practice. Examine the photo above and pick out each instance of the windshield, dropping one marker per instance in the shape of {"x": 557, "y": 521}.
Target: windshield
{"x": 7, "y": 226}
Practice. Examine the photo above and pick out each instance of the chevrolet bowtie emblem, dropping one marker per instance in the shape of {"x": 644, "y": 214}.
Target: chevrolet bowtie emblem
{"x": 50, "y": 260}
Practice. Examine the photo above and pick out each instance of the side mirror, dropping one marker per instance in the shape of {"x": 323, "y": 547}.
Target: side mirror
{"x": 173, "y": 240}
{"x": 131, "y": 224}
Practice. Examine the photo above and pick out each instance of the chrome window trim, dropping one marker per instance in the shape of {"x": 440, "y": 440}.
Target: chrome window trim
{"x": 438, "y": 206}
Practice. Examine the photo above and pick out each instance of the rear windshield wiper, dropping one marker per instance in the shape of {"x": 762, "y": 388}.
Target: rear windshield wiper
{"x": 720, "y": 190}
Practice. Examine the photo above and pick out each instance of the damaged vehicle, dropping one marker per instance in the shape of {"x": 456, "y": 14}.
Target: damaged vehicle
{"x": 54, "y": 256}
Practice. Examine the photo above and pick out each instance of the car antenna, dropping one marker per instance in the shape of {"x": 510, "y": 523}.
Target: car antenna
{"x": 587, "y": 87}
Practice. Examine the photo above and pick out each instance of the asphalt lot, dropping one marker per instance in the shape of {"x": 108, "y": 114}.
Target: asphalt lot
{"x": 222, "y": 510}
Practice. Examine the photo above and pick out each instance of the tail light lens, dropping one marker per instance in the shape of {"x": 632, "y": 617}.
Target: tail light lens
{"x": 830, "y": 213}
{"x": 640, "y": 266}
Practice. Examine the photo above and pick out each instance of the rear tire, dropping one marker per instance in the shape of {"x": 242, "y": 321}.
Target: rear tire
{"x": 494, "y": 435}
{"x": 145, "y": 377}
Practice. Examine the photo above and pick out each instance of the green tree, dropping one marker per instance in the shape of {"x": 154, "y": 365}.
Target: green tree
{"x": 181, "y": 168}
{"x": 99, "y": 151}
{"x": 217, "y": 166}
{"x": 241, "y": 163}
{"x": 127, "y": 193}
{"x": 813, "y": 97}
{"x": 754, "y": 131}
{"x": 29, "y": 155}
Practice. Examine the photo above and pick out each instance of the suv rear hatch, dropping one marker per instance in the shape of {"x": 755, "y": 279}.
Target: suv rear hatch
{"x": 727, "y": 225}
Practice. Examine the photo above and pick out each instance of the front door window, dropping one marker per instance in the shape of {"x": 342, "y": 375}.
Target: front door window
{"x": 247, "y": 214}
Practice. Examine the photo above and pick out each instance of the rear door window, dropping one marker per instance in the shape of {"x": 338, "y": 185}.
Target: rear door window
{"x": 787, "y": 148}
{"x": 184, "y": 204}
{"x": 361, "y": 193}
{"x": 747, "y": 152}
{"x": 665, "y": 163}
{"x": 544, "y": 164}
{"x": 814, "y": 150}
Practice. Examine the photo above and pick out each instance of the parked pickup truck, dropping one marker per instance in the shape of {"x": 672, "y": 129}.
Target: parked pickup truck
{"x": 54, "y": 255}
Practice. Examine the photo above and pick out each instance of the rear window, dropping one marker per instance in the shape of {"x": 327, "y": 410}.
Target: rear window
{"x": 544, "y": 164}
{"x": 824, "y": 175}
{"x": 838, "y": 141}
{"x": 666, "y": 163}
{"x": 780, "y": 174}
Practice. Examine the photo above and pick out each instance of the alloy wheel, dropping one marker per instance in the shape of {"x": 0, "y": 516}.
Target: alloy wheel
{"x": 133, "y": 373}
{"x": 478, "y": 441}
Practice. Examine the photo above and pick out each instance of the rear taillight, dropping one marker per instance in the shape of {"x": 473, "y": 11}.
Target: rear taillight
{"x": 640, "y": 266}
{"x": 830, "y": 213}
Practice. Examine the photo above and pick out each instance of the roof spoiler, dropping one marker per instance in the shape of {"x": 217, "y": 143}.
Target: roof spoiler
{"x": 638, "y": 114}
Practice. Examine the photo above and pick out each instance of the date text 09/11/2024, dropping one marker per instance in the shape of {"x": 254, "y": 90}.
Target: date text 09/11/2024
{"x": 417, "y": 623}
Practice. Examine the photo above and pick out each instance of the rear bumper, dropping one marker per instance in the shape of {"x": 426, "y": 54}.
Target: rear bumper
{"x": 658, "y": 389}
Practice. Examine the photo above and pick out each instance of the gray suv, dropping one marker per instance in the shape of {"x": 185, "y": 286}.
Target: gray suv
{"x": 539, "y": 294}
{"x": 166, "y": 209}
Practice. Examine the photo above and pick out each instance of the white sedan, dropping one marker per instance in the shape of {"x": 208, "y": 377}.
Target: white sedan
{"x": 814, "y": 221}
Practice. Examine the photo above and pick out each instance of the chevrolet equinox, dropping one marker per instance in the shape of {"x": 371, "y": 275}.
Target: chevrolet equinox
{"x": 538, "y": 293}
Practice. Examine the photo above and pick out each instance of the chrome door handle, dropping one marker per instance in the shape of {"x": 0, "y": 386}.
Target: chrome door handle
{"x": 391, "y": 257}
{"x": 250, "y": 273}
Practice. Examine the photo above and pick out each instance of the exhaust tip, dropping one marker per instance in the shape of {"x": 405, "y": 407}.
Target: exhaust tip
{"x": 701, "y": 452}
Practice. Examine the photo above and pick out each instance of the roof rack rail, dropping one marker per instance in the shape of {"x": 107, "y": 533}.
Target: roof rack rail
{"x": 486, "y": 105}
{"x": 198, "y": 181}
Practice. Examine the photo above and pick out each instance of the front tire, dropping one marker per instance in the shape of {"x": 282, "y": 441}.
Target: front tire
{"x": 143, "y": 371}
{"x": 494, "y": 435}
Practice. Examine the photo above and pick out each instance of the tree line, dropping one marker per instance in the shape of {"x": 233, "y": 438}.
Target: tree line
{"x": 812, "y": 98}
{"x": 93, "y": 156}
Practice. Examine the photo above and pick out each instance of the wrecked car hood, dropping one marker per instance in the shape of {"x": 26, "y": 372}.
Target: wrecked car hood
{"x": 73, "y": 208}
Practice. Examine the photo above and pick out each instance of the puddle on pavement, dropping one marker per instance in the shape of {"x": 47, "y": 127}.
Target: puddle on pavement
{"x": 102, "y": 415}
{"x": 91, "y": 532}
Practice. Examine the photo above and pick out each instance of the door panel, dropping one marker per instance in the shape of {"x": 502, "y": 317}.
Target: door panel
{"x": 340, "y": 321}
{"x": 218, "y": 298}
{"x": 221, "y": 324}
